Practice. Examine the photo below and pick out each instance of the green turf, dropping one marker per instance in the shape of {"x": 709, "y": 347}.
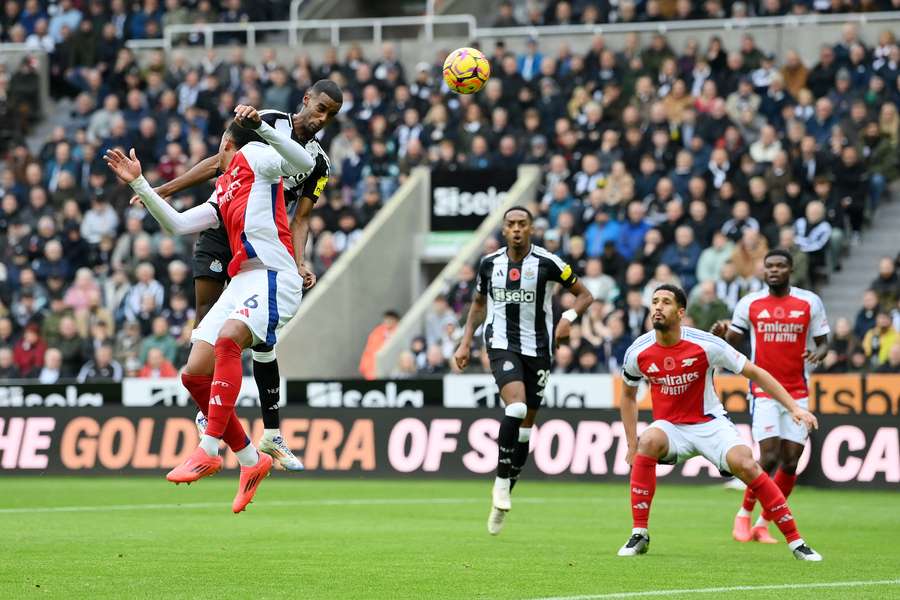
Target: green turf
{"x": 307, "y": 539}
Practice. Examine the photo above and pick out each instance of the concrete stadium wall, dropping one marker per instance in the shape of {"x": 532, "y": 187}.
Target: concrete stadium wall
{"x": 523, "y": 192}
{"x": 327, "y": 336}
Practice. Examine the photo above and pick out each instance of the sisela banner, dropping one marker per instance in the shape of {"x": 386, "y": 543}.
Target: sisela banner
{"x": 852, "y": 451}
{"x": 461, "y": 199}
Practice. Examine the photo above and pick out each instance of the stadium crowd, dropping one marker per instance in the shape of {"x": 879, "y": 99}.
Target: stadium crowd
{"x": 660, "y": 165}
{"x": 686, "y": 167}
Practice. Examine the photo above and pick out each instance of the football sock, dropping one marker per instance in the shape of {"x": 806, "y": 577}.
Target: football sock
{"x": 506, "y": 440}
{"x": 247, "y": 456}
{"x": 224, "y": 392}
{"x": 268, "y": 380}
{"x": 643, "y": 486}
{"x": 520, "y": 456}
{"x": 748, "y": 504}
{"x": 785, "y": 483}
{"x": 209, "y": 444}
{"x": 199, "y": 387}
{"x": 774, "y": 506}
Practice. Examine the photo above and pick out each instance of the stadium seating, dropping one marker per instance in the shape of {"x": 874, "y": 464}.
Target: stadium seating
{"x": 635, "y": 142}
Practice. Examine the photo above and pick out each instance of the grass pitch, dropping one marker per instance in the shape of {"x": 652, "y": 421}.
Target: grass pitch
{"x": 303, "y": 538}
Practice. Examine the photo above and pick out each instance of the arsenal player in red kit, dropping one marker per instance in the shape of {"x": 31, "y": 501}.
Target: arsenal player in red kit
{"x": 787, "y": 327}
{"x": 689, "y": 420}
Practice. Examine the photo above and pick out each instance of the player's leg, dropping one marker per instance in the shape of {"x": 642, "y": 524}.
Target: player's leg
{"x": 790, "y": 447}
{"x": 537, "y": 372}
{"x": 207, "y": 290}
{"x": 739, "y": 461}
{"x": 268, "y": 382}
{"x": 765, "y": 431}
{"x": 660, "y": 441}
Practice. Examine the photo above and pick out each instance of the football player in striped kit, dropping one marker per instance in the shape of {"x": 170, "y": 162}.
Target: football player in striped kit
{"x": 513, "y": 298}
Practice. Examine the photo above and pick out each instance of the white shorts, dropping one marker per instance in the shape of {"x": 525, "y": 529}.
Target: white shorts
{"x": 771, "y": 419}
{"x": 264, "y": 300}
{"x": 711, "y": 440}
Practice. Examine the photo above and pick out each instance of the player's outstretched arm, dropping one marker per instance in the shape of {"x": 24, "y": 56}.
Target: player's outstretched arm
{"x": 583, "y": 299}
{"x": 295, "y": 158}
{"x": 204, "y": 170}
{"x": 629, "y": 412}
{"x": 128, "y": 169}
{"x": 477, "y": 313}
{"x": 777, "y": 391}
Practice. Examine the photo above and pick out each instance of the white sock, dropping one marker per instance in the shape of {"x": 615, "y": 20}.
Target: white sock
{"x": 271, "y": 434}
{"x": 641, "y": 530}
{"x": 209, "y": 444}
{"x": 501, "y": 482}
{"x": 247, "y": 456}
{"x": 796, "y": 544}
{"x": 761, "y": 522}
{"x": 743, "y": 512}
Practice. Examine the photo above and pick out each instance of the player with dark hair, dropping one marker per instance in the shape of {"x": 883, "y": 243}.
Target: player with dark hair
{"x": 514, "y": 291}
{"x": 321, "y": 103}
{"x": 688, "y": 418}
{"x": 265, "y": 289}
{"x": 787, "y": 326}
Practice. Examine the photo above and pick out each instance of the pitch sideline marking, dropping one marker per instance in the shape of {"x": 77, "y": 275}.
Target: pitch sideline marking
{"x": 734, "y": 588}
{"x": 319, "y": 502}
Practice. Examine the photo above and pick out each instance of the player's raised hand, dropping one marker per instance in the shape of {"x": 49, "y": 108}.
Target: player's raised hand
{"x": 461, "y": 356}
{"x": 126, "y": 168}
{"x": 804, "y": 417}
{"x": 309, "y": 278}
{"x": 246, "y": 116}
{"x": 719, "y": 328}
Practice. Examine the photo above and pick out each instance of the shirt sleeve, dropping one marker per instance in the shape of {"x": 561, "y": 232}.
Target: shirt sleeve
{"x": 561, "y": 272}
{"x": 483, "y": 278}
{"x": 289, "y": 158}
{"x": 722, "y": 355}
{"x": 631, "y": 373}
{"x": 313, "y": 185}
{"x": 818, "y": 322}
{"x": 740, "y": 320}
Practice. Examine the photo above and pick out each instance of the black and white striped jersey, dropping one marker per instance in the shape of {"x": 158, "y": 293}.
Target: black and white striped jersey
{"x": 306, "y": 185}
{"x": 519, "y": 299}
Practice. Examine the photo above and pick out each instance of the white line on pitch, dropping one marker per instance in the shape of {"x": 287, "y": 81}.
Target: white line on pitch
{"x": 734, "y": 588}
{"x": 323, "y": 502}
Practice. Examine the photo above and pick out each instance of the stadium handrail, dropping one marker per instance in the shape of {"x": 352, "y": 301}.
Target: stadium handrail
{"x": 295, "y": 26}
{"x": 523, "y": 191}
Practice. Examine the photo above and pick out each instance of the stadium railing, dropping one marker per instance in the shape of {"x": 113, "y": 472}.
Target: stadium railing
{"x": 295, "y": 29}
{"x": 380, "y": 272}
{"x": 523, "y": 192}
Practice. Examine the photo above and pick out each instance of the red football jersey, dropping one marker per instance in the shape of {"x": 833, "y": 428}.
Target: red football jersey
{"x": 780, "y": 331}
{"x": 681, "y": 376}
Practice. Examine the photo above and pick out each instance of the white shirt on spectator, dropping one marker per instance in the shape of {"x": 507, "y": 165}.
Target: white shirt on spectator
{"x": 98, "y": 223}
{"x": 343, "y": 241}
{"x": 812, "y": 238}
{"x": 137, "y": 291}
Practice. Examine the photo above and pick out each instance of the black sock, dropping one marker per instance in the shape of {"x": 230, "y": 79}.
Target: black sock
{"x": 268, "y": 381}
{"x": 519, "y": 457}
{"x": 506, "y": 442}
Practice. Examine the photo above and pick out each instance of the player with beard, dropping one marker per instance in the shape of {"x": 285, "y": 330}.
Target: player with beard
{"x": 688, "y": 418}
{"x": 212, "y": 254}
{"x": 514, "y": 297}
{"x": 787, "y": 327}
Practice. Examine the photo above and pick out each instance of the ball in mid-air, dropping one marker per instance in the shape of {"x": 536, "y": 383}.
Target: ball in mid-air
{"x": 466, "y": 70}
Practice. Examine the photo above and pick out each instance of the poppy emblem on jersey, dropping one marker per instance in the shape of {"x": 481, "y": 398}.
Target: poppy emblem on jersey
{"x": 779, "y": 312}
{"x": 669, "y": 363}
{"x": 514, "y": 274}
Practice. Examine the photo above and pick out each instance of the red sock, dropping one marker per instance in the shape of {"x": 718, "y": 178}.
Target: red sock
{"x": 785, "y": 482}
{"x": 199, "y": 388}
{"x": 774, "y": 506}
{"x": 749, "y": 500}
{"x": 643, "y": 486}
{"x": 223, "y": 395}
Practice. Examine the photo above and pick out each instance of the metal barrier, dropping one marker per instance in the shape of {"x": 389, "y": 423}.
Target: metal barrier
{"x": 294, "y": 28}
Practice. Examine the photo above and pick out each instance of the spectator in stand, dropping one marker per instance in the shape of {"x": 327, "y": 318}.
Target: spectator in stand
{"x": 157, "y": 366}
{"x": 28, "y": 354}
{"x": 705, "y": 308}
{"x": 813, "y": 236}
{"x": 74, "y": 349}
{"x": 892, "y": 364}
{"x": 102, "y": 368}
{"x": 160, "y": 339}
{"x": 51, "y": 372}
{"x": 887, "y": 284}
{"x": 712, "y": 258}
{"x": 376, "y": 340}
{"x": 682, "y": 256}
{"x": 749, "y": 252}
{"x": 878, "y": 341}
{"x": 8, "y": 368}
